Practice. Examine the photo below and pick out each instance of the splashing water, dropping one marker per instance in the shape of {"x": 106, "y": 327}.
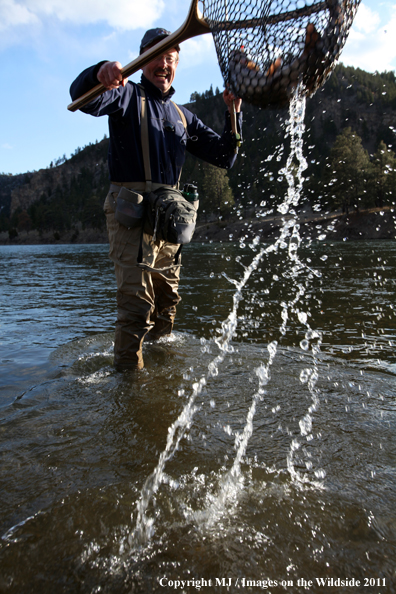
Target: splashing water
{"x": 144, "y": 525}
{"x": 233, "y": 480}
{"x": 289, "y": 238}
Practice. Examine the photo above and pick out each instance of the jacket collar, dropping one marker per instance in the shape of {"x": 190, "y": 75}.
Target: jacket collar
{"x": 155, "y": 91}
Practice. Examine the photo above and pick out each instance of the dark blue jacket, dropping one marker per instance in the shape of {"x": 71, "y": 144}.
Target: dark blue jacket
{"x": 167, "y": 147}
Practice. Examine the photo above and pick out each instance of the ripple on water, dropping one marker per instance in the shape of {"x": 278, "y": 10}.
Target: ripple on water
{"x": 85, "y": 442}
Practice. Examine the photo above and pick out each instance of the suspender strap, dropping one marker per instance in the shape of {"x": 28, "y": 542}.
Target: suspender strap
{"x": 147, "y": 172}
{"x": 182, "y": 116}
{"x": 184, "y": 122}
{"x": 145, "y": 139}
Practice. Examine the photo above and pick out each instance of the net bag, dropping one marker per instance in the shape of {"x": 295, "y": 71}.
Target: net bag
{"x": 266, "y": 48}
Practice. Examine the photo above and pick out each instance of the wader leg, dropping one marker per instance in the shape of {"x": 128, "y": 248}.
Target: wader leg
{"x": 133, "y": 322}
{"x": 135, "y": 292}
{"x": 166, "y": 295}
{"x": 146, "y": 301}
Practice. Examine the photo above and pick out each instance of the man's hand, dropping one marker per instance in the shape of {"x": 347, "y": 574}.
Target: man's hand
{"x": 110, "y": 75}
{"x": 229, "y": 97}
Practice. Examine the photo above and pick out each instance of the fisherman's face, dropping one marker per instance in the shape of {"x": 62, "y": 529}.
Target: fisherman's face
{"x": 161, "y": 71}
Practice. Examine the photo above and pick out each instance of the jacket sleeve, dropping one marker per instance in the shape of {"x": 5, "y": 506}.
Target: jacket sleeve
{"x": 114, "y": 102}
{"x": 207, "y": 145}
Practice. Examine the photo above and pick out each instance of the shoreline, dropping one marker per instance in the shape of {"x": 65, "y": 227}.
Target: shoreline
{"x": 374, "y": 223}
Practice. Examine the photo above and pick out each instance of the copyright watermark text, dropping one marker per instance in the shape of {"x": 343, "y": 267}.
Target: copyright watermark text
{"x": 242, "y": 582}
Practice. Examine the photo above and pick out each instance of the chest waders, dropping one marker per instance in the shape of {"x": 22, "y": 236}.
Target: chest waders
{"x": 134, "y": 209}
{"x": 147, "y": 297}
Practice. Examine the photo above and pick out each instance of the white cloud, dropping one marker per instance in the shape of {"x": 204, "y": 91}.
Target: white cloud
{"x": 197, "y": 50}
{"x": 122, "y": 15}
{"x": 371, "y": 43}
{"x": 7, "y": 146}
{"x": 366, "y": 20}
{"x": 13, "y": 14}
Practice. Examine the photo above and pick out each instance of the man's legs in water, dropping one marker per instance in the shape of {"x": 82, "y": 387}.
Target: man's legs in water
{"x": 145, "y": 300}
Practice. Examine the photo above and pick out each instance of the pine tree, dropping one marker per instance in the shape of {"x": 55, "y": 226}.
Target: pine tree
{"x": 217, "y": 194}
{"x": 383, "y": 175}
{"x": 347, "y": 172}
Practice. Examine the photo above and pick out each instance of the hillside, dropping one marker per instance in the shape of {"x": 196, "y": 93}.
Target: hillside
{"x": 65, "y": 199}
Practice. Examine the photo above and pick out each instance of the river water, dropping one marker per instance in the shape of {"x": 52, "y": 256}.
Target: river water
{"x": 255, "y": 452}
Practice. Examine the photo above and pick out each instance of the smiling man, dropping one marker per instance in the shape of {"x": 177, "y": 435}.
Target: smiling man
{"x": 147, "y": 298}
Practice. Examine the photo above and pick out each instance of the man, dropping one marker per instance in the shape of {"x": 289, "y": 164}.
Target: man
{"x": 146, "y": 299}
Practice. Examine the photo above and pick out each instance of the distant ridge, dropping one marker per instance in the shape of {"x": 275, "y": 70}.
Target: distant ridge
{"x": 67, "y": 196}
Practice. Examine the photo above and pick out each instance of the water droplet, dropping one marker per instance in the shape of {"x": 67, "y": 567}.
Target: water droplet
{"x": 302, "y": 316}
{"x": 305, "y": 425}
{"x": 305, "y": 375}
{"x": 283, "y": 208}
{"x": 263, "y": 374}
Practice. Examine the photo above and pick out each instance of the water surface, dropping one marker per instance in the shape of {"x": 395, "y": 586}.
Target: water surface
{"x": 314, "y": 494}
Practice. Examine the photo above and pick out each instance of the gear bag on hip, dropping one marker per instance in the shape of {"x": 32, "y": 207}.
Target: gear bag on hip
{"x": 130, "y": 208}
{"x": 169, "y": 216}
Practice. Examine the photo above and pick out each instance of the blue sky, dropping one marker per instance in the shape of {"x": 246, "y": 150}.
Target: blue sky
{"x": 44, "y": 44}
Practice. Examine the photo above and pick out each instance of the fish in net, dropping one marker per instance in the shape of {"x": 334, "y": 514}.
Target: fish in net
{"x": 266, "y": 49}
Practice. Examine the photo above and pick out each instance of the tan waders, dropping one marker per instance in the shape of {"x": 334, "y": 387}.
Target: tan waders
{"x": 146, "y": 300}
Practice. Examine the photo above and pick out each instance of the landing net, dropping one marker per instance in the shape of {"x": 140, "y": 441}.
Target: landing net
{"x": 265, "y": 49}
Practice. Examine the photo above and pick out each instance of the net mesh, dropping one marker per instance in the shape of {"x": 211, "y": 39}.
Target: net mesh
{"x": 266, "y": 48}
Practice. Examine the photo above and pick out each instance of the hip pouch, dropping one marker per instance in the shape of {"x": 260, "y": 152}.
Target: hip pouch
{"x": 169, "y": 216}
{"x": 130, "y": 208}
